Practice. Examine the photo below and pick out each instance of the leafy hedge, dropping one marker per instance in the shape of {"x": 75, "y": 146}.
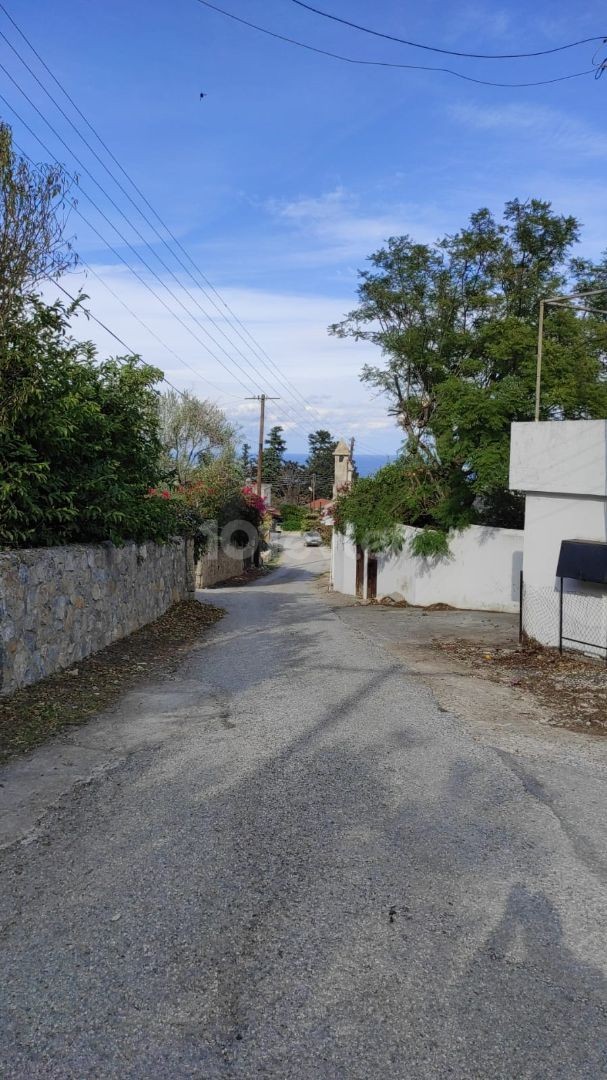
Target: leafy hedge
{"x": 377, "y": 506}
{"x": 79, "y": 440}
{"x": 293, "y": 517}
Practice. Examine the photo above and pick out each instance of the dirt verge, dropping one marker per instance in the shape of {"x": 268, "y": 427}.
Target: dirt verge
{"x": 572, "y": 687}
{"x": 67, "y": 698}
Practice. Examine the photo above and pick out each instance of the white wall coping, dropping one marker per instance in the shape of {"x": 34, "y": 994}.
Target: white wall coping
{"x": 560, "y": 457}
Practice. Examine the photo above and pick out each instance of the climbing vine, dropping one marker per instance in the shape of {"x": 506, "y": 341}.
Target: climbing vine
{"x": 402, "y": 493}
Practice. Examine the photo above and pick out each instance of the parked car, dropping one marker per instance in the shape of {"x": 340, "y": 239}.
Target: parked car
{"x": 312, "y": 538}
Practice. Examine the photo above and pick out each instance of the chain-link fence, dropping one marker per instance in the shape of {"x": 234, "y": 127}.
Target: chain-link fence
{"x": 568, "y": 615}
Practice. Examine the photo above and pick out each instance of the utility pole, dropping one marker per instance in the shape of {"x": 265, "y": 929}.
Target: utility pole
{"x": 540, "y": 349}
{"x": 261, "y": 398}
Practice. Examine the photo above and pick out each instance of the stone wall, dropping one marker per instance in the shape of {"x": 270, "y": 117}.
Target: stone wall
{"x": 217, "y": 566}
{"x": 58, "y": 605}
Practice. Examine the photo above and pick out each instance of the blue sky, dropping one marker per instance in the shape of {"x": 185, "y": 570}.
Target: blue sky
{"x": 295, "y": 167}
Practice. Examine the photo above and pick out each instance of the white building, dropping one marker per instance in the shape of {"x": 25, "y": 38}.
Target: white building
{"x": 561, "y": 466}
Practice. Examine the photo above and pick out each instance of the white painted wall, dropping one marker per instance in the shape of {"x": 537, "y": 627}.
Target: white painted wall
{"x": 566, "y": 457}
{"x": 552, "y": 518}
{"x": 482, "y": 571}
{"x": 562, "y": 468}
{"x": 343, "y": 564}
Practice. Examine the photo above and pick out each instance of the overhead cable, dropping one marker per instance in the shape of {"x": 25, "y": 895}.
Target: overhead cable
{"x": 117, "y": 254}
{"x": 389, "y": 64}
{"x": 132, "y": 352}
{"x": 449, "y": 52}
{"x": 285, "y": 382}
{"x": 251, "y": 343}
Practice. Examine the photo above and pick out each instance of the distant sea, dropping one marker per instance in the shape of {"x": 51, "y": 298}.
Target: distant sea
{"x": 367, "y": 464}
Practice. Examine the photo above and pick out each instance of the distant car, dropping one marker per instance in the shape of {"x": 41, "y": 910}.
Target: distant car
{"x": 312, "y": 539}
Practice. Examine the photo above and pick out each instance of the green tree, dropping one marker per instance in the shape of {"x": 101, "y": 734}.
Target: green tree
{"x": 194, "y": 432}
{"x": 292, "y": 485}
{"x": 80, "y": 443}
{"x": 273, "y": 455}
{"x": 457, "y": 326}
{"x": 320, "y": 462}
{"x": 293, "y": 517}
{"x": 246, "y": 461}
{"x": 33, "y": 208}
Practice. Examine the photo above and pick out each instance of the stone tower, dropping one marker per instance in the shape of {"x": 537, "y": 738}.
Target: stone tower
{"x": 342, "y": 456}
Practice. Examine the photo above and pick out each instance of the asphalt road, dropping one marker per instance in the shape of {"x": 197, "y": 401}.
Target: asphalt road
{"x": 292, "y": 863}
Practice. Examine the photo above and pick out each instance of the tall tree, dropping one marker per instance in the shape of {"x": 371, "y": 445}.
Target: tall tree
{"x": 320, "y": 463}
{"x": 457, "y": 325}
{"x": 33, "y": 211}
{"x": 273, "y": 454}
{"x": 292, "y": 485}
{"x": 194, "y": 432}
{"x": 246, "y": 462}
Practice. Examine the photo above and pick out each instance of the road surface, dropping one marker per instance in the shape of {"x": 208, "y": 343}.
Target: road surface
{"x": 291, "y": 863}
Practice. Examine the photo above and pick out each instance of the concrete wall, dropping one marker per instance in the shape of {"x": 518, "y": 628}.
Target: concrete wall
{"x": 560, "y": 457}
{"x": 214, "y": 567}
{"x": 562, "y": 468}
{"x": 482, "y": 571}
{"x": 343, "y": 564}
{"x": 58, "y": 605}
{"x": 548, "y": 520}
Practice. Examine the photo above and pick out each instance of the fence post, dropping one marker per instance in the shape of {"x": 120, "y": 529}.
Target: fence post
{"x": 520, "y": 609}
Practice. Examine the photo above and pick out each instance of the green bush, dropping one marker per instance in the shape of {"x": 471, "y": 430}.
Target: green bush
{"x": 326, "y": 532}
{"x": 293, "y": 517}
{"x": 430, "y": 544}
{"x": 79, "y": 439}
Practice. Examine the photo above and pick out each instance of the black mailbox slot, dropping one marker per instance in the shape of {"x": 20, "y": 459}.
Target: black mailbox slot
{"x": 583, "y": 560}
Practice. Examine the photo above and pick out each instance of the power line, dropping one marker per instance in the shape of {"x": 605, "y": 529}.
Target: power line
{"x": 293, "y": 417}
{"x": 137, "y": 208}
{"x": 138, "y": 319}
{"x": 449, "y": 52}
{"x": 138, "y": 254}
{"x": 388, "y": 64}
{"x": 255, "y": 347}
{"x": 305, "y": 431}
{"x": 120, "y": 234}
{"x": 258, "y": 350}
{"x": 116, "y": 337}
{"x": 131, "y": 248}
{"x": 286, "y": 383}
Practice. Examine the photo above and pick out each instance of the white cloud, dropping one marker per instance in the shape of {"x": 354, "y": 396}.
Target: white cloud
{"x": 348, "y": 226}
{"x": 558, "y": 133}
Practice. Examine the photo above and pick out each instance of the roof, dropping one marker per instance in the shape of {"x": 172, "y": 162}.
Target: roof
{"x": 341, "y": 448}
